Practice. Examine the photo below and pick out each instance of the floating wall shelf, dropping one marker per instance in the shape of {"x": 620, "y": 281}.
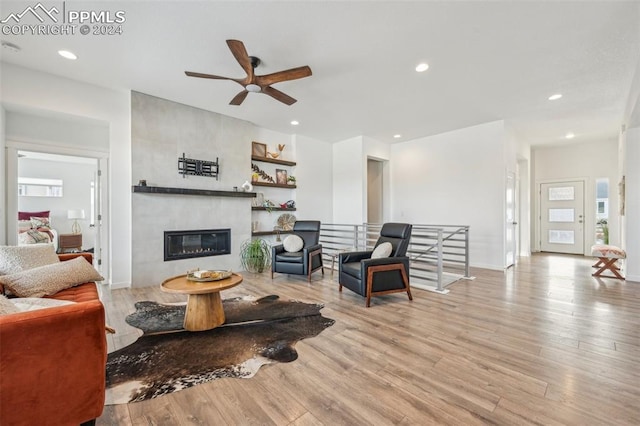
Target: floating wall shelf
{"x": 273, "y": 160}
{"x": 259, "y": 233}
{"x": 273, "y": 185}
{"x": 190, "y": 191}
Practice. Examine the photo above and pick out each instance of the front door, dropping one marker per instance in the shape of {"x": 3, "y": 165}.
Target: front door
{"x": 562, "y": 217}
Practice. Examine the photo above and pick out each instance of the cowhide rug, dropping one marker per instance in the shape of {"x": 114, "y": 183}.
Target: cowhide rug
{"x": 166, "y": 358}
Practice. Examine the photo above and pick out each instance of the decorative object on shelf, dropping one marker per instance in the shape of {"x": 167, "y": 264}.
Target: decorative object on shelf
{"x": 258, "y": 201}
{"x": 254, "y": 177}
{"x": 189, "y": 166}
{"x": 272, "y": 154}
{"x": 247, "y": 186}
{"x": 269, "y": 205}
{"x": 75, "y": 215}
{"x": 286, "y": 221}
{"x": 142, "y": 182}
{"x": 255, "y": 225}
{"x": 261, "y": 173}
{"x": 292, "y": 180}
{"x": 258, "y": 149}
{"x": 280, "y": 147}
{"x": 288, "y": 205}
{"x": 281, "y": 176}
{"x": 255, "y": 255}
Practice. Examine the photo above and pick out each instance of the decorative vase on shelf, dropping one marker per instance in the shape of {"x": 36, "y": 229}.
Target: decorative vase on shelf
{"x": 247, "y": 186}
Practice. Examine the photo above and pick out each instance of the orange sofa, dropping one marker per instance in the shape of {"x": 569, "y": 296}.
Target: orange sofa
{"x": 52, "y": 361}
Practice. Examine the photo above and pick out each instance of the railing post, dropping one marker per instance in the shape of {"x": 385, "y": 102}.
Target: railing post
{"x": 466, "y": 252}
{"x": 440, "y": 263}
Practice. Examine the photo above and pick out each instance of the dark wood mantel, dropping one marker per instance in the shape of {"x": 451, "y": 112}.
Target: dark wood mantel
{"x": 190, "y": 191}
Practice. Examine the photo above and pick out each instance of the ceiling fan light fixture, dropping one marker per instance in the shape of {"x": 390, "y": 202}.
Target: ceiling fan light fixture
{"x": 253, "y": 88}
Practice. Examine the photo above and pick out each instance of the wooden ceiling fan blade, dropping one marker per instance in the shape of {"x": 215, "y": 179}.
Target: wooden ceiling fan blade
{"x": 201, "y": 75}
{"x": 276, "y": 77}
{"x": 237, "y": 100}
{"x": 276, "y": 94}
{"x": 240, "y": 53}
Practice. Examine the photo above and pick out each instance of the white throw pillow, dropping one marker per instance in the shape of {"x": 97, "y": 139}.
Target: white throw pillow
{"x": 293, "y": 244}
{"x": 50, "y": 279}
{"x": 19, "y": 258}
{"x": 6, "y": 307}
{"x": 383, "y": 250}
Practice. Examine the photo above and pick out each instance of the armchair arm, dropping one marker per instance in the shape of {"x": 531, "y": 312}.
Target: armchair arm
{"x": 385, "y": 261}
{"x": 276, "y": 250}
{"x": 353, "y": 256}
{"x": 365, "y": 264}
{"x": 309, "y": 249}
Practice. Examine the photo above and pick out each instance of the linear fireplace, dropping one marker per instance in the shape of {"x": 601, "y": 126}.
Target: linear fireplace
{"x": 197, "y": 243}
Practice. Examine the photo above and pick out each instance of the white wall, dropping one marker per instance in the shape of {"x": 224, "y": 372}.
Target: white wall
{"x": 348, "y": 172}
{"x": 581, "y": 161}
{"x": 630, "y": 160}
{"x": 27, "y": 90}
{"x": 455, "y": 178}
{"x": 3, "y": 181}
{"x": 314, "y": 199}
{"x": 58, "y": 130}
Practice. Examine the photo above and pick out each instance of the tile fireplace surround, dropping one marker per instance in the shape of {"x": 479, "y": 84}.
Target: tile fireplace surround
{"x": 161, "y": 131}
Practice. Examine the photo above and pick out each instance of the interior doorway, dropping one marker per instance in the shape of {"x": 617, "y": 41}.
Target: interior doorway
{"x": 375, "y": 190}
{"x": 562, "y": 217}
{"x": 70, "y": 186}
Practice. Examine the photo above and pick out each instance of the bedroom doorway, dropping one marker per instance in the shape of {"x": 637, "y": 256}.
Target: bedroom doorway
{"x": 70, "y": 187}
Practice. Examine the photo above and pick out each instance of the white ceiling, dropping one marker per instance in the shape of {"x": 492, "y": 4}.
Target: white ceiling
{"x": 488, "y": 61}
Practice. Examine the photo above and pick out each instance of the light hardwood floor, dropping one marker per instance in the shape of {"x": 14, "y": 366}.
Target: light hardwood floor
{"x": 544, "y": 343}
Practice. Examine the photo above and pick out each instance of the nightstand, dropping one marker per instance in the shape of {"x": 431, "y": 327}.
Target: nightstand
{"x": 69, "y": 242}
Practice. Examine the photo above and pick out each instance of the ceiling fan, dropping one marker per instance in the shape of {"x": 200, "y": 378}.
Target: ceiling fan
{"x": 256, "y": 83}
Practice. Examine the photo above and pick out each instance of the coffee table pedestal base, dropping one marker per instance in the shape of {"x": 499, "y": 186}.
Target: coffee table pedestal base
{"x": 204, "y": 312}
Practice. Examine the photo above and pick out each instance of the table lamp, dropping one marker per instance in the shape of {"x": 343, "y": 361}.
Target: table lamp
{"x": 75, "y": 215}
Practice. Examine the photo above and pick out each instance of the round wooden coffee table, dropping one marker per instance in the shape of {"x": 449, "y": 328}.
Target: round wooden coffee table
{"x": 204, "y": 305}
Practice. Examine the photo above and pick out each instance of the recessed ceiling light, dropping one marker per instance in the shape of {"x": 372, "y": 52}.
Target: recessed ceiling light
{"x": 295, "y": 123}
{"x": 397, "y": 136}
{"x": 570, "y": 136}
{"x": 422, "y": 67}
{"x": 555, "y": 97}
{"x": 66, "y": 54}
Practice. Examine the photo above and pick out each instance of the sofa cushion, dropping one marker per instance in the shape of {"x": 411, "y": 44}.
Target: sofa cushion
{"x": 383, "y": 250}
{"x": 19, "y": 258}
{"x": 7, "y": 307}
{"x": 353, "y": 269}
{"x": 50, "y": 279}
{"x": 293, "y": 243}
{"x": 289, "y": 257}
